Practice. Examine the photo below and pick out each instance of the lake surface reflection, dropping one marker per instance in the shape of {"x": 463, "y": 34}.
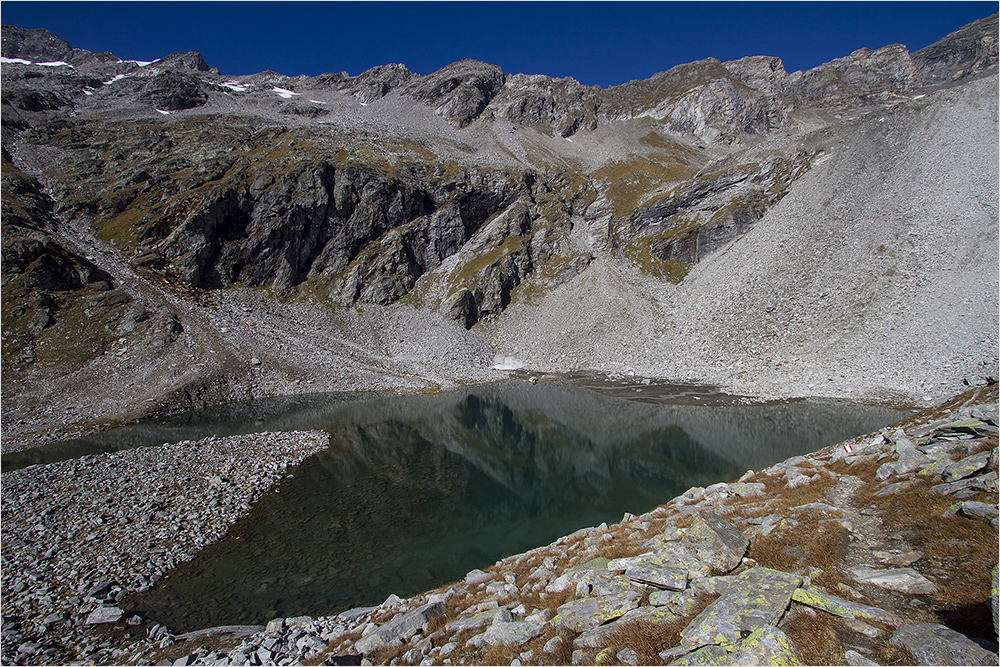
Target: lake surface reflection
{"x": 415, "y": 491}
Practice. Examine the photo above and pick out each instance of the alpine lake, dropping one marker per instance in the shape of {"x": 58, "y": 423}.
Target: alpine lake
{"x": 414, "y": 491}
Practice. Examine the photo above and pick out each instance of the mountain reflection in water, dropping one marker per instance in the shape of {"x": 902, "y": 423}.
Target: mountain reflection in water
{"x": 415, "y": 491}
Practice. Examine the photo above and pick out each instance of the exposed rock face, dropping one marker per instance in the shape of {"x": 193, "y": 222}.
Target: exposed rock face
{"x": 461, "y": 91}
{"x": 968, "y": 51}
{"x": 173, "y": 91}
{"x": 37, "y": 44}
{"x": 468, "y": 191}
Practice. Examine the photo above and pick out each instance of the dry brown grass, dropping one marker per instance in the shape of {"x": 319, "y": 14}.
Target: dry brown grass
{"x": 822, "y": 639}
{"x": 825, "y": 545}
{"x": 648, "y": 639}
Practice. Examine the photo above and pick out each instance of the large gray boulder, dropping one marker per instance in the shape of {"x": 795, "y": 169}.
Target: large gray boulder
{"x": 757, "y": 597}
{"x": 400, "y": 628}
{"x": 934, "y": 644}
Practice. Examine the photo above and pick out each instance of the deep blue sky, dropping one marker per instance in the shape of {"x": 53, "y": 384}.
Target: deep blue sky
{"x": 602, "y": 43}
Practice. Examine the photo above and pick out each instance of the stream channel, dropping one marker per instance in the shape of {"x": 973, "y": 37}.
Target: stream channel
{"x": 415, "y": 491}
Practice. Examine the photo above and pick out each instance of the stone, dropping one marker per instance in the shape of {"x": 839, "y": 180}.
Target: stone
{"x": 934, "y": 644}
{"x": 820, "y": 599}
{"x": 580, "y": 615}
{"x": 995, "y": 598}
{"x": 627, "y": 656}
{"x": 903, "y": 579}
{"x": 670, "y": 578}
{"x": 767, "y": 645}
{"x": 716, "y": 542}
{"x": 400, "y": 628}
{"x": 510, "y": 634}
{"x": 747, "y": 489}
{"x": 966, "y": 467}
{"x": 973, "y": 510}
{"x": 706, "y": 655}
{"x": 987, "y": 482}
{"x": 757, "y": 597}
{"x": 895, "y": 487}
{"x": 852, "y": 657}
{"x": 553, "y": 644}
{"x": 477, "y": 577}
{"x": 104, "y": 615}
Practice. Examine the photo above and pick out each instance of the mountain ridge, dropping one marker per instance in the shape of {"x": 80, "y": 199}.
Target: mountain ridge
{"x": 142, "y": 201}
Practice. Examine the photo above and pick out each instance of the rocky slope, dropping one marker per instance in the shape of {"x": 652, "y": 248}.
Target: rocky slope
{"x": 200, "y": 238}
{"x": 880, "y": 550}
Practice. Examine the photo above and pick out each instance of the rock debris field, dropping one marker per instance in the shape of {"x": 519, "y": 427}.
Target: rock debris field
{"x": 880, "y": 550}
{"x": 79, "y": 535}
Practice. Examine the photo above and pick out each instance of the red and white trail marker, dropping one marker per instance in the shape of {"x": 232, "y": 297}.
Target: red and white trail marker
{"x": 848, "y": 449}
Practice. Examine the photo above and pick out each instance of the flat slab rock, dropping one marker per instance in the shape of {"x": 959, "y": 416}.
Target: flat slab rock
{"x": 902, "y": 579}
{"x": 586, "y": 613}
{"x": 756, "y": 598}
{"x": 400, "y": 628}
{"x": 820, "y": 599}
{"x": 934, "y": 644}
{"x": 767, "y": 645}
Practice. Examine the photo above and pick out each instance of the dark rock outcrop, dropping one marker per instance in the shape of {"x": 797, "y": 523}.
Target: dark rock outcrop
{"x": 35, "y": 45}
{"x": 172, "y": 91}
{"x": 461, "y": 91}
{"x": 968, "y": 51}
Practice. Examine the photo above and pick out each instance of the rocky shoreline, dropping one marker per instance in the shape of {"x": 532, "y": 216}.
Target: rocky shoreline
{"x": 835, "y": 540}
{"x": 79, "y": 535}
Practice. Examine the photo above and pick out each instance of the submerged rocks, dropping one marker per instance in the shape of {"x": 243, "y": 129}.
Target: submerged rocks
{"x": 115, "y": 523}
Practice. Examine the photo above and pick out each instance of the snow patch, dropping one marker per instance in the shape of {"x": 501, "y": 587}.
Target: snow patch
{"x": 165, "y": 113}
{"x": 140, "y": 63}
{"x": 317, "y": 102}
{"x": 116, "y": 77}
{"x": 14, "y": 61}
{"x": 55, "y": 63}
{"x": 505, "y": 362}
{"x": 287, "y": 94}
{"x": 88, "y": 91}
{"x": 235, "y": 86}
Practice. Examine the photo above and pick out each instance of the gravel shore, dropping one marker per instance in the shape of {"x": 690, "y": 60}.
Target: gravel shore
{"x": 79, "y": 535}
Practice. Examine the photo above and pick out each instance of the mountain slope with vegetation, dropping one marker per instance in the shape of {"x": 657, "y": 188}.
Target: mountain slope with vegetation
{"x": 830, "y": 232}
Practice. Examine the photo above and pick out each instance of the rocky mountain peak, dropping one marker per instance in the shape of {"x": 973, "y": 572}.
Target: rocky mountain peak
{"x": 459, "y": 91}
{"x": 37, "y": 44}
{"x": 968, "y": 51}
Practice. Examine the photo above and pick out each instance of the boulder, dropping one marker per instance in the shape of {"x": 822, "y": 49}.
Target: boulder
{"x": 706, "y": 655}
{"x": 966, "y": 467}
{"x": 580, "y": 615}
{"x": 973, "y": 510}
{"x": 820, "y": 599}
{"x": 767, "y": 645}
{"x": 670, "y": 578}
{"x": 903, "y": 579}
{"x": 716, "y": 542}
{"x": 513, "y": 633}
{"x": 757, "y": 597}
{"x": 104, "y": 615}
{"x": 934, "y": 644}
{"x": 400, "y": 628}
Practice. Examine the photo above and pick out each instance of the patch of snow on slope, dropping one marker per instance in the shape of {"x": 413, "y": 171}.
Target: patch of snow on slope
{"x": 55, "y": 63}
{"x": 140, "y": 63}
{"x": 116, "y": 77}
{"x": 14, "y": 61}
{"x": 287, "y": 94}
{"x": 165, "y": 113}
{"x": 235, "y": 86}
